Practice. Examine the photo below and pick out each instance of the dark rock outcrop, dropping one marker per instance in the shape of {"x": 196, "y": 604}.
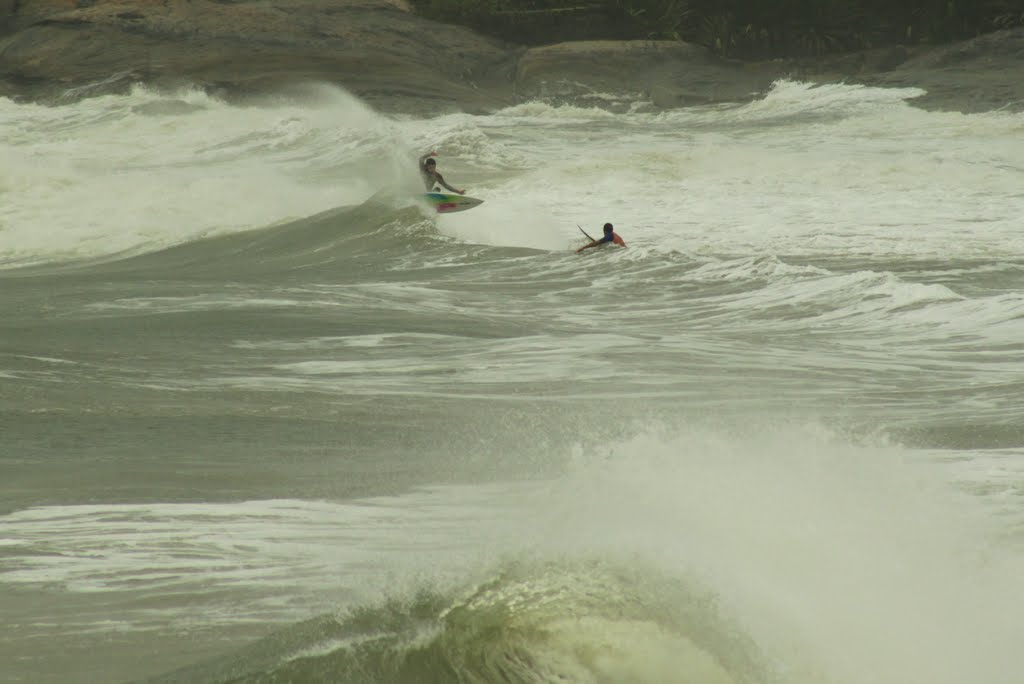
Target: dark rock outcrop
{"x": 375, "y": 48}
{"x": 53, "y": 50}
{"x": 981, "y": 74}
{"x": 668, "y": 73}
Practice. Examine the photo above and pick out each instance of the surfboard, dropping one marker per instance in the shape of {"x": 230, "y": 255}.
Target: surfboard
{"x": 449, "y": 204}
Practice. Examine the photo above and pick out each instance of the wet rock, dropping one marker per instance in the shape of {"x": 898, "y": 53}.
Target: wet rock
{"x": 54, "y": 51}
{"x": 375, "y": 48}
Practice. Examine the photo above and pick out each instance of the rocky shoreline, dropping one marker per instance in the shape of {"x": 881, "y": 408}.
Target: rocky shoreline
{"x": 60, "y": 50}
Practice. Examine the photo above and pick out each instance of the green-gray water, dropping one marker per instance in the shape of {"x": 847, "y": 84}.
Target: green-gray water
{"x": 265, "y": 418}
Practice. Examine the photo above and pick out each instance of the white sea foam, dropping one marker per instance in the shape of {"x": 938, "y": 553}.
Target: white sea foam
{"x": 842, "y": 552}
{"x": 263, "y": 547}
{"x": 125, "y": 173}
{"x": 874, "y": 176}
{"x": 851, "y": 562}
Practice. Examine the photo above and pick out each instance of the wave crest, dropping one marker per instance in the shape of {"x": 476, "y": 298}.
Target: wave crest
{"x": 570, "y": 621}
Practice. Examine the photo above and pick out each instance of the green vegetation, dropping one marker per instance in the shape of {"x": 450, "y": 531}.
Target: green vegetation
{"x": 746, "y": 29}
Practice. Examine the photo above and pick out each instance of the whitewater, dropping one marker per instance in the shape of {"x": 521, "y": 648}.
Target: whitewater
{"x": 265, "y": 417}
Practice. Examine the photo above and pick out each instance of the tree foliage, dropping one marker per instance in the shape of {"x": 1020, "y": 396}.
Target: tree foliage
{"x": 751, "y": 29}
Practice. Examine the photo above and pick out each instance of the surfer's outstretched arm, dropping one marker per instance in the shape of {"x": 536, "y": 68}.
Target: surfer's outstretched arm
{"x": 595, "y": 243}
{"x": 440, "y": 179}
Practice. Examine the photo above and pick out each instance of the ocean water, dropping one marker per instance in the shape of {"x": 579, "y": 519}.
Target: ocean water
{"x": 265, "y": 418}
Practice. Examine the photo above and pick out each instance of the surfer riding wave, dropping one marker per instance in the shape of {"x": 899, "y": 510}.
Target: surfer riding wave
{"x": 432, "y": 177}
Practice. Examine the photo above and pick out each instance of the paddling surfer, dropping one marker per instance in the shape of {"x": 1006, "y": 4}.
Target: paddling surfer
{"x": 432, "y": 177}
{"x": 609, "y": 236}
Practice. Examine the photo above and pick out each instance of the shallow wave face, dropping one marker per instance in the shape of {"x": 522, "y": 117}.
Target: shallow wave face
{"x": 586, "y": 622}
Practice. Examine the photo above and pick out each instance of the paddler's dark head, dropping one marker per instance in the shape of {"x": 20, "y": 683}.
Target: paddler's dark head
{"x": 430, "y": 165}
{"x": 608, "y": 229}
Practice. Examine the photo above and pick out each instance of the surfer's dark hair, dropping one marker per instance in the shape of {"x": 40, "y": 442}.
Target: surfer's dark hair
{"x": 607, "y": 227}
{"x": 430, "y": 161}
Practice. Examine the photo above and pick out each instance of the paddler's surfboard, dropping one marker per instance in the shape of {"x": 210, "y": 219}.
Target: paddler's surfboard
{"x": 448, "y": 204}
